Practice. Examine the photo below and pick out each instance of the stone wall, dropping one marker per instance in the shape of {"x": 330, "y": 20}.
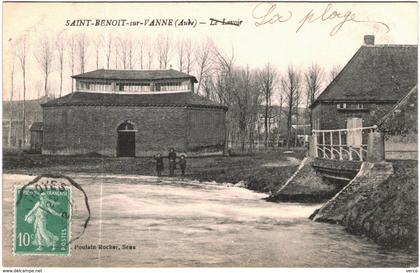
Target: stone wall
{"x": 93, "y": 129}
{"x": 380, "y": 202}
{"x": 305, "y": 185}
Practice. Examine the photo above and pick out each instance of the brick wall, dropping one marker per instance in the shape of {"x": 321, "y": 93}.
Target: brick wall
{"x": 206, "y": 129}
{"x": 93, "y": 129}
{"x": 332, "y": 118}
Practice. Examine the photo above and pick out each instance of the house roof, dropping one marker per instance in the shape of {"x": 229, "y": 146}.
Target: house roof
{"x": 153, "y": 99}
{"x": 375, "y": 73}
{"x": 36, "y": 126}
{"x": 135, "y": 75}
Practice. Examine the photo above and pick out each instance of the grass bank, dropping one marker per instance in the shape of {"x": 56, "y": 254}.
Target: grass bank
{"x": 263, "y": 172}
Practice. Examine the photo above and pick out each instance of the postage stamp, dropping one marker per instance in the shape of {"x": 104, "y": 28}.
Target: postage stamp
{"x": 42, "y": 221}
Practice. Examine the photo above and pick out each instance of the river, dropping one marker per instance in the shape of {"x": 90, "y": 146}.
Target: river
{"x": 185, "y": 223}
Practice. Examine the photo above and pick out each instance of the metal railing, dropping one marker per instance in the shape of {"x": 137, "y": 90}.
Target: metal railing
{"x": 342, "y": 144}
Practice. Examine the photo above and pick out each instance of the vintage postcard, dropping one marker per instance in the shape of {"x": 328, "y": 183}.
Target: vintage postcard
{"x": 210, "y": 134}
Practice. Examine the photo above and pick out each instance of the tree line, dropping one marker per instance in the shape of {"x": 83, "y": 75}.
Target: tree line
{"x": 248, "y": 92}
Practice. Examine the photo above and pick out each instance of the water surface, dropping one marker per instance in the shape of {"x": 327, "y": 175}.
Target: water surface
{"x": 185, "y": 223}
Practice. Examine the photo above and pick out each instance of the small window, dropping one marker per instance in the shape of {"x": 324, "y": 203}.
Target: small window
{"x": 341, "y": 106}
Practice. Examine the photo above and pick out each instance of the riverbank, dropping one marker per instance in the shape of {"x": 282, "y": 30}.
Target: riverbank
{"x": 262, "y": 172}
{"x": 381, "y": 203}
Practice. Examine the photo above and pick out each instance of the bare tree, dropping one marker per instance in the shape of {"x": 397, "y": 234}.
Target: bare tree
{"x": 280, "y": 115}
{"x": 313, "y": 82}
{"x": 12, "y": 87}
{"x": 180, "y": 51}
{"x": 149, "y": 53}
{"x": 109, "y": 43}
{"x": 21, "y": 54}
{"x": 44, "y": 56}
{"x": 72, "y": 46}
{"x": 163, "y": 50}
{"x": 223, "y": 68}
{"x": 142, "y": 44}
{"x": 334, "y": 72}
{"x": 203, "y": 57}
{"x": 98, "y": 42}
{"x": 290, "y": 84}
{"x": 189, "y": 58}
{"x": 60, "y": 46}
{"x": 223, "y": 71}
{"x": 122, "y": 52}
{"x": 116, "y": 54}
{"x": 268, "y": 79}
{"x": 82, "y": 47}
{"x": 149, "y": 58}
{"x": 130, "y": 53}
{"x": 125, "y": 45}
{"x": 247, "y": 96}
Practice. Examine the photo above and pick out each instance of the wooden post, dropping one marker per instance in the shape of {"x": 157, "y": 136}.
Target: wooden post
{"x": 339, "y": 143}
{"x": 376, "y": 147}
{"x": 331, "y": 145}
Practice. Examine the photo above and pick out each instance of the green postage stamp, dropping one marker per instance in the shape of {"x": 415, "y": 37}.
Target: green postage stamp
{"x": 42, "y": 221}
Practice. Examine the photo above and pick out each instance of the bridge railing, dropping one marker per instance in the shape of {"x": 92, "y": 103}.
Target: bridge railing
{"x": 342, "y": 144}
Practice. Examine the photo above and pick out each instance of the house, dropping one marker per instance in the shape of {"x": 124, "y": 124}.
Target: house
{"x": 129, "y": 113}
{"x": 372, "y": 82}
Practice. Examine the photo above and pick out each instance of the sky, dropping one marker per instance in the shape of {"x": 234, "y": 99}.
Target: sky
{"x": 277, "y": 33}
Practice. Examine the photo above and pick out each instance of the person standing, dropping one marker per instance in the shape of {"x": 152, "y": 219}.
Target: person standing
{"x": 182, "y": 164}
{"x": 172, "y": 161}
{"x": 159, "y": 164}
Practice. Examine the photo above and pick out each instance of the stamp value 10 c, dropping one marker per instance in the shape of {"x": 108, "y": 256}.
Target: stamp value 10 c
{"x": 42, "y": 221}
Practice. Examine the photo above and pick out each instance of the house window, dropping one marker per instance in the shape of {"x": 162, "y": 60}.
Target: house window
{"x": 136, "y": 87}
{"x": 172, "y": 86}
{"x": 350, "y": 106}
{"x": 84, "y": 85}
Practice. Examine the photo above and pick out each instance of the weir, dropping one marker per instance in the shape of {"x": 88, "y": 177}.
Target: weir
{"x": 335, "y": 159}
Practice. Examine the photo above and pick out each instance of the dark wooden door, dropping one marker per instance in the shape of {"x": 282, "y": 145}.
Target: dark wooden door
{"x": 126, "y": 144}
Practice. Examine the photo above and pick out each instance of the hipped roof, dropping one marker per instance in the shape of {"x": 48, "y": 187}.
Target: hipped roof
{"x": 108, "y": 74}
{"x": 179, "y": 99}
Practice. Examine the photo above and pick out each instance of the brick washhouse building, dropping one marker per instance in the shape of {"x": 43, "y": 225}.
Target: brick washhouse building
{"x": 127, "y": 113}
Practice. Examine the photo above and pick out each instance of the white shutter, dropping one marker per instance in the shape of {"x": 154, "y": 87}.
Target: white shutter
{"x": 354, "y": 137}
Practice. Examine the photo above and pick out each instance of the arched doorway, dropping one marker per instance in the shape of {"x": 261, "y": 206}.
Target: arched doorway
{"x": 126, "y": 143}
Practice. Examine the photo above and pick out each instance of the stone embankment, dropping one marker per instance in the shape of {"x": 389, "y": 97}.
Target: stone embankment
{"x": 307, "y": 185}
{"x": 380, "y": 203}
{"x": 377, "y": 200}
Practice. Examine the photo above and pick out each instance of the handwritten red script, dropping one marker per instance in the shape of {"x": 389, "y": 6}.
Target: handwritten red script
{"x": 267, "y": 13}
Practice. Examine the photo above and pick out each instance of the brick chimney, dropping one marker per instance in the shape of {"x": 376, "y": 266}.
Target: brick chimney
{"x": 369, "y": 39}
